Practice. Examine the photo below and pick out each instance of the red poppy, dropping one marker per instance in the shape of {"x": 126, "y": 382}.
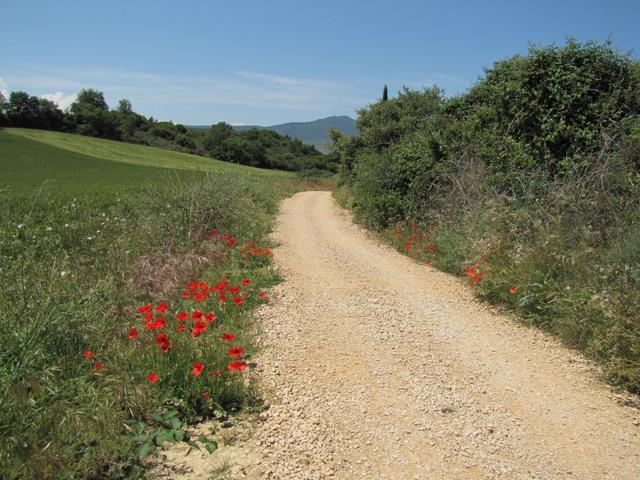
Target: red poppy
{"x": 197, "y": 369}
{"x": 88, "y": 354}
{"x": 148, "y": 317}
{"x": 210, "y": 317}
{"x": 234, "y": 290}
{"x": 222, "y": 298}
{"x": 414, "y": 226}
{"x": 162, "y": 340}
{"x": 432, "y": 248}
{"x": 246, "y": 282}
{"x": 145, "y": 308}
{"x": 407, "y": 245}
{"x": 199, "y": 297}
{"x": 513, "y": 290}
{"x": 186, "y": 294}
{"x": 181, "y": 328}
{"x": 236, "y": 352}
{"x": 237, "y": 366}
{"x": 156, "y": 324}
{"x": 97, "y": 366}
{"x": 263, "y": 295}
{"x": 153, "y": 377}
{"x": 133, "y": 333}
{"x": 162, "y": 307}
{"x": 196, "y": 315}
{"x": 198, "y": 328}
{"x": 205, "y": 395}
{"x": 228, "y": 337}
{"x": 237, "y": 300}
{"x": 182, "y": 316}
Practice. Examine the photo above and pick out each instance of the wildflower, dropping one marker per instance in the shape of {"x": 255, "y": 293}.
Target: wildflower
{"x": 234, "y": 290}
{"x": 222, "y": 298}
{"x": 148, "y": 317}
{"x": 162, "y": 340}
{"x": 97, "y": 366}
{"x": 196, "y": 315}
{"x": 414, "y": 226}
{"x": 161, "y": 308}
{"x": 237, "y": 366}
{"x": 199, "y": 297}
{"x": 210, "y": 317}
{"x": 198, "y": 328}
{"x": 205, "y": 395}
{"x": 513, "y": 290}
{"x": 186, "y": 294}
{"x": 156, "y": 324}
{"x": 145, "y": 309}
{"x": 432, "y": 248}
{"x": 153, "y": 377}
{"x": 182, "y": 316}
{"x": 181, "y": 328}
{"x": 263, "y": 295}
{"x": 237, "y": 300}
{"x": 407, "y": 245}
{"x": 88, "y": 354}
{"x": 197, "y": 369}
{"x": 246, "y": 282}
{"x": 236, "y": 352}
{"x": 228, "y": 337}
{"x": 133, "y": 333}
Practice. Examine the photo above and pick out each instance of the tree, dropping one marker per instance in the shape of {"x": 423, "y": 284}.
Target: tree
{"x": 385, "y": 94}
{"x": 23, "y": 110}
{"x": 92, "y": 115}
{"x": 124, "y": 106}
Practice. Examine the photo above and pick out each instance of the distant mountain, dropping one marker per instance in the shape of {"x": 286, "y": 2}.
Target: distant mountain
{"x": 312, "y": 133}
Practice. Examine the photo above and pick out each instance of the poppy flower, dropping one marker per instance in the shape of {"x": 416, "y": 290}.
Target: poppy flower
{"x": 513, "y": 290}
{"x": 414, "y": 226}
{"x": 162, "y": 307}
{"x": 88, "y": 354}
{"x": 237, "y": 300}
{"x": 234, "y": 290}
{"x": 148, "y": 317}
{"x": 182, "y": 316}
{"x": 263, "y": 295}
{"x": 432, "y": 248}
{"x": 162, "y": 340}
{"x": 199, "y": 297}
{"x": 210, "y": 317}
{"x": 156, "y": 324}
{"x": 198, "y": 328}
{"x": 97, "y": 366}
{"x": 145, "y": 308}
{"x": 181, "y": 328}
{"x": 246, "y": 282}
{"x": 186, "y": 294}
{"x": 222, "y": 298}
{"x": 205, "y": 395}
{"x": 236, "y": 352}
{"x": 237, "y": 366}
{"x": 153, "y": 377}
{"x": 133, "y": 333}
{"x": 196, "y": 315}
{"x": 407, "y": 245}
{"x": 197, "y": 369}
{"x": 228, "y": 337}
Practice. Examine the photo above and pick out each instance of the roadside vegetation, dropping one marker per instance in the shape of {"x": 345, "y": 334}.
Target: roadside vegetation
{"x": 90, "y": 115}
{"x": 126, "y": 303}
{"x": 528, "y": 185}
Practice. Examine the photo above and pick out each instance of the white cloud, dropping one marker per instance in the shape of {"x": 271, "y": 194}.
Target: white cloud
{"x": 4, "y": 88}
{"x": 61, "y": 99}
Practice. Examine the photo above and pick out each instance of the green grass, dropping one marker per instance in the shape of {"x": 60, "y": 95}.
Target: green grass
{"x": 84, "y": 240}
{"x": 127, "y": 153}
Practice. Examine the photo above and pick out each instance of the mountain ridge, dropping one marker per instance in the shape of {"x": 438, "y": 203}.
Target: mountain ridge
{"x": 313, "y": 133}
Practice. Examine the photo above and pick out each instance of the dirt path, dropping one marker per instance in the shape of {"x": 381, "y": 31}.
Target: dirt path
{"x": 380, "y": 368}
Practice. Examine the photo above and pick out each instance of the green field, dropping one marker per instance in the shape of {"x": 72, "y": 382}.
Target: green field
{"x": 62, "y": 161}
{"x": 89, "y": 230}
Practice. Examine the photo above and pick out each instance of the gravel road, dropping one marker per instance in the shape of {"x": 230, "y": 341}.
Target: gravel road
{"x": 379, "y": 368}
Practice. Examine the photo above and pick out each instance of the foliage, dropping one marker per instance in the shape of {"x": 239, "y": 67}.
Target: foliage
{"x": 536, "y": 169}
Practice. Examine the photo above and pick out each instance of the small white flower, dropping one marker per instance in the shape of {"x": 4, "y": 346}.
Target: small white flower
{"x": 21, "y": 225}
{"x": 62, "y": 274}
{"x": 49, "y": 229}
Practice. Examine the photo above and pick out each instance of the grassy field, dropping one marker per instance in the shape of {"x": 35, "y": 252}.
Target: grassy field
{"x": 91, "y": 230}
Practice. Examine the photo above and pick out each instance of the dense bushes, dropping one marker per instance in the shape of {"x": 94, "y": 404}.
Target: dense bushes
{"x": 90, "y": 115}
{"x": 537, "y": 169}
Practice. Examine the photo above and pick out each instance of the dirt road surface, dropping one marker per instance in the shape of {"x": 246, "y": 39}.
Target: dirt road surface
{"x": 379, "y": 368}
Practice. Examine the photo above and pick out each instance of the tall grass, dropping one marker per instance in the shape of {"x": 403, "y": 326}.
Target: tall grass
{"x": 74, "y": 267}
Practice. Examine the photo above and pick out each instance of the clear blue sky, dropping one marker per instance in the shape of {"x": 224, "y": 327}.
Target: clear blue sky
{"x": 267, "y": 61}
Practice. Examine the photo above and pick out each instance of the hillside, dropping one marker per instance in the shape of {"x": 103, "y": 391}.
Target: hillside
{"x": 33, "y": 157}
{"x": 312, "y": 133}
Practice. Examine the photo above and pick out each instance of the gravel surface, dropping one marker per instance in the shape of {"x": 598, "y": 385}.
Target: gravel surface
{"x": 376, "y": 367}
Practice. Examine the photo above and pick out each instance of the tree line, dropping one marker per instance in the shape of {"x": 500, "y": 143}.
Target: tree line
{"x": 90, "y": 115}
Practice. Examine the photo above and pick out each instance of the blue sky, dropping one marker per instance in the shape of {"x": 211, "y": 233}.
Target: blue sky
{"x": 267, "y": 61}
